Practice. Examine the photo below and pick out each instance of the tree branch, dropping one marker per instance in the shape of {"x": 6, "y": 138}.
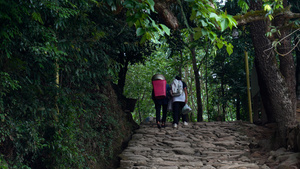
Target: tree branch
{"x": 166, "y": 14}
{"x": 261, "y": 15}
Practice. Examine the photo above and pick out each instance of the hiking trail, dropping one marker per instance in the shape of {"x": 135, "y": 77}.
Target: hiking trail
{"x": 204, "y": 145}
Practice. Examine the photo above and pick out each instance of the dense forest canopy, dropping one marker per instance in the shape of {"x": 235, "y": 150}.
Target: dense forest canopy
{"x": 67, "y": 66}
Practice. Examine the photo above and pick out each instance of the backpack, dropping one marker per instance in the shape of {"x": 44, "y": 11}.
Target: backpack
{"x": 177, "y": 87}
{"x": 159, "y": 89}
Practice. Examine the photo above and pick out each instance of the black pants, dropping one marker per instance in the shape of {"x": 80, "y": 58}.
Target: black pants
{"x": 177, "y": 107}
{"x": 158, "y": 108}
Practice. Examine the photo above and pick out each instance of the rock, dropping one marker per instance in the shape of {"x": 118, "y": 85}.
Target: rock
{"x": 134, "y": 149}
{"x": 177, "y": 143}
{"x": 290, "y": 159}
{"x": 225, "y": 143}
{"x": 203, "y": 145}
{"x": 184, "y": 151}
{"x": 208, "y": 167}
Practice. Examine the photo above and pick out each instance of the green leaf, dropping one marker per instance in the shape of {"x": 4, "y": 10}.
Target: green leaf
{"x": 151, "y": 4}
{"x": 243, "y": 5}
{"x": 138, "y": 16}
{"x": 213, "y": 15}
{"x": 212, "y": 36}
{"x": 267, "y": 7}
{"x": 37, "y": 17}
{"x": 193, "y": 15}
{"x": 278, "y": 6}
{"x": 204, "y": 24}
{"x": 224, "y": 24}
{"x": 197, "y": 29}
{"x": 220, "y": 44}
{"x": 204, "y": 32}
{"x": 232, "y": 22}
{"x": 197, "y": 35}
{"x": 140, "y": 31}
{"x": 165, "y": 29}
{"x": 157, "y": 28}
{"x": 270, "y": 17}
{"x": 144, "y": 38}
{"x": 229, "y": 49}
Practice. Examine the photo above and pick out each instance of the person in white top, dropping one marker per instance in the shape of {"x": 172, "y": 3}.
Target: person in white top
{"x": 178, "y": 104}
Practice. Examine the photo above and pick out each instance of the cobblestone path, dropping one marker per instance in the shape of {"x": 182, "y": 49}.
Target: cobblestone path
{"x": 202, "y": 145}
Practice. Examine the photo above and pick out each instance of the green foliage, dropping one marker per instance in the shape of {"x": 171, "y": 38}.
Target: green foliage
{"x": 221, "y": 68}
{"x": 209, "y": 21}
{"x": 3, "y": 163}
{"x": 229, "y": 70}
{"x": 243, "y": 5}
{"x": 138, "y": 15}
{"x": 7, "y": 84}
{"x": 139, "y": 85}
{"x": 55, "y": 57}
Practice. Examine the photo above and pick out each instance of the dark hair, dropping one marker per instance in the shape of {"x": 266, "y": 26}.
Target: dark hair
{"x": 178, "y": 77}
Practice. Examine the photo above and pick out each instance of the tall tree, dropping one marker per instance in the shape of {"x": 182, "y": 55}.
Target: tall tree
{"x": 276, "y": 79}
{"x": 197, "y": 83}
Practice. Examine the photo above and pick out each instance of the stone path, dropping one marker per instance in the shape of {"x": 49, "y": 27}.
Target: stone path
{"x": 203, "y": 145}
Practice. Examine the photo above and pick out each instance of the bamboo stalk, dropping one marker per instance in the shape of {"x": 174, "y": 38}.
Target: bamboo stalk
{"x": 248, "y": 87}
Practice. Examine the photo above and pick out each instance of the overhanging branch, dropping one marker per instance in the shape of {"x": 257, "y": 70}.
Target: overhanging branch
{"x": 259, "y": 15}
{"x": 166, "y": 14}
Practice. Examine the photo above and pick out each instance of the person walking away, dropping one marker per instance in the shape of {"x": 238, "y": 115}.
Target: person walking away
{"x": 179, "y": 96}
{"x": 161, "y": 103}
{"x": 160, "y": 97}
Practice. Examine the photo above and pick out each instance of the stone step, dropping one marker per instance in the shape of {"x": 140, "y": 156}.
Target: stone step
{"x": 202, "y": 145}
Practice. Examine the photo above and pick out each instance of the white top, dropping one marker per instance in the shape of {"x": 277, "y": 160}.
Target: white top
{"x": 180, "y": 98}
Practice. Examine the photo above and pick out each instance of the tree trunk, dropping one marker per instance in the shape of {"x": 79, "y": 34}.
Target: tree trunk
{"x": 188, "y": 73}
{"x": 298, "y": 69}
{"x": 122, "y": 75}
{"x": 223, "y": 98}
{"x": 287, "y": 63}
{"x": 206, "y": 90}
{"x": 275, "y": 87}
{"x": 238, "y": 107}
{"x": 181, "y": 64}
{"x": 197, "y": 82}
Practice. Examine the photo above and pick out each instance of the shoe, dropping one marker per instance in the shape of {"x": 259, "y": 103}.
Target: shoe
{"x": 175, "y": 125}
{"x": 163, "y": 125}
{"x": 158, "y": 125}
{"x": 185, "y": 123}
